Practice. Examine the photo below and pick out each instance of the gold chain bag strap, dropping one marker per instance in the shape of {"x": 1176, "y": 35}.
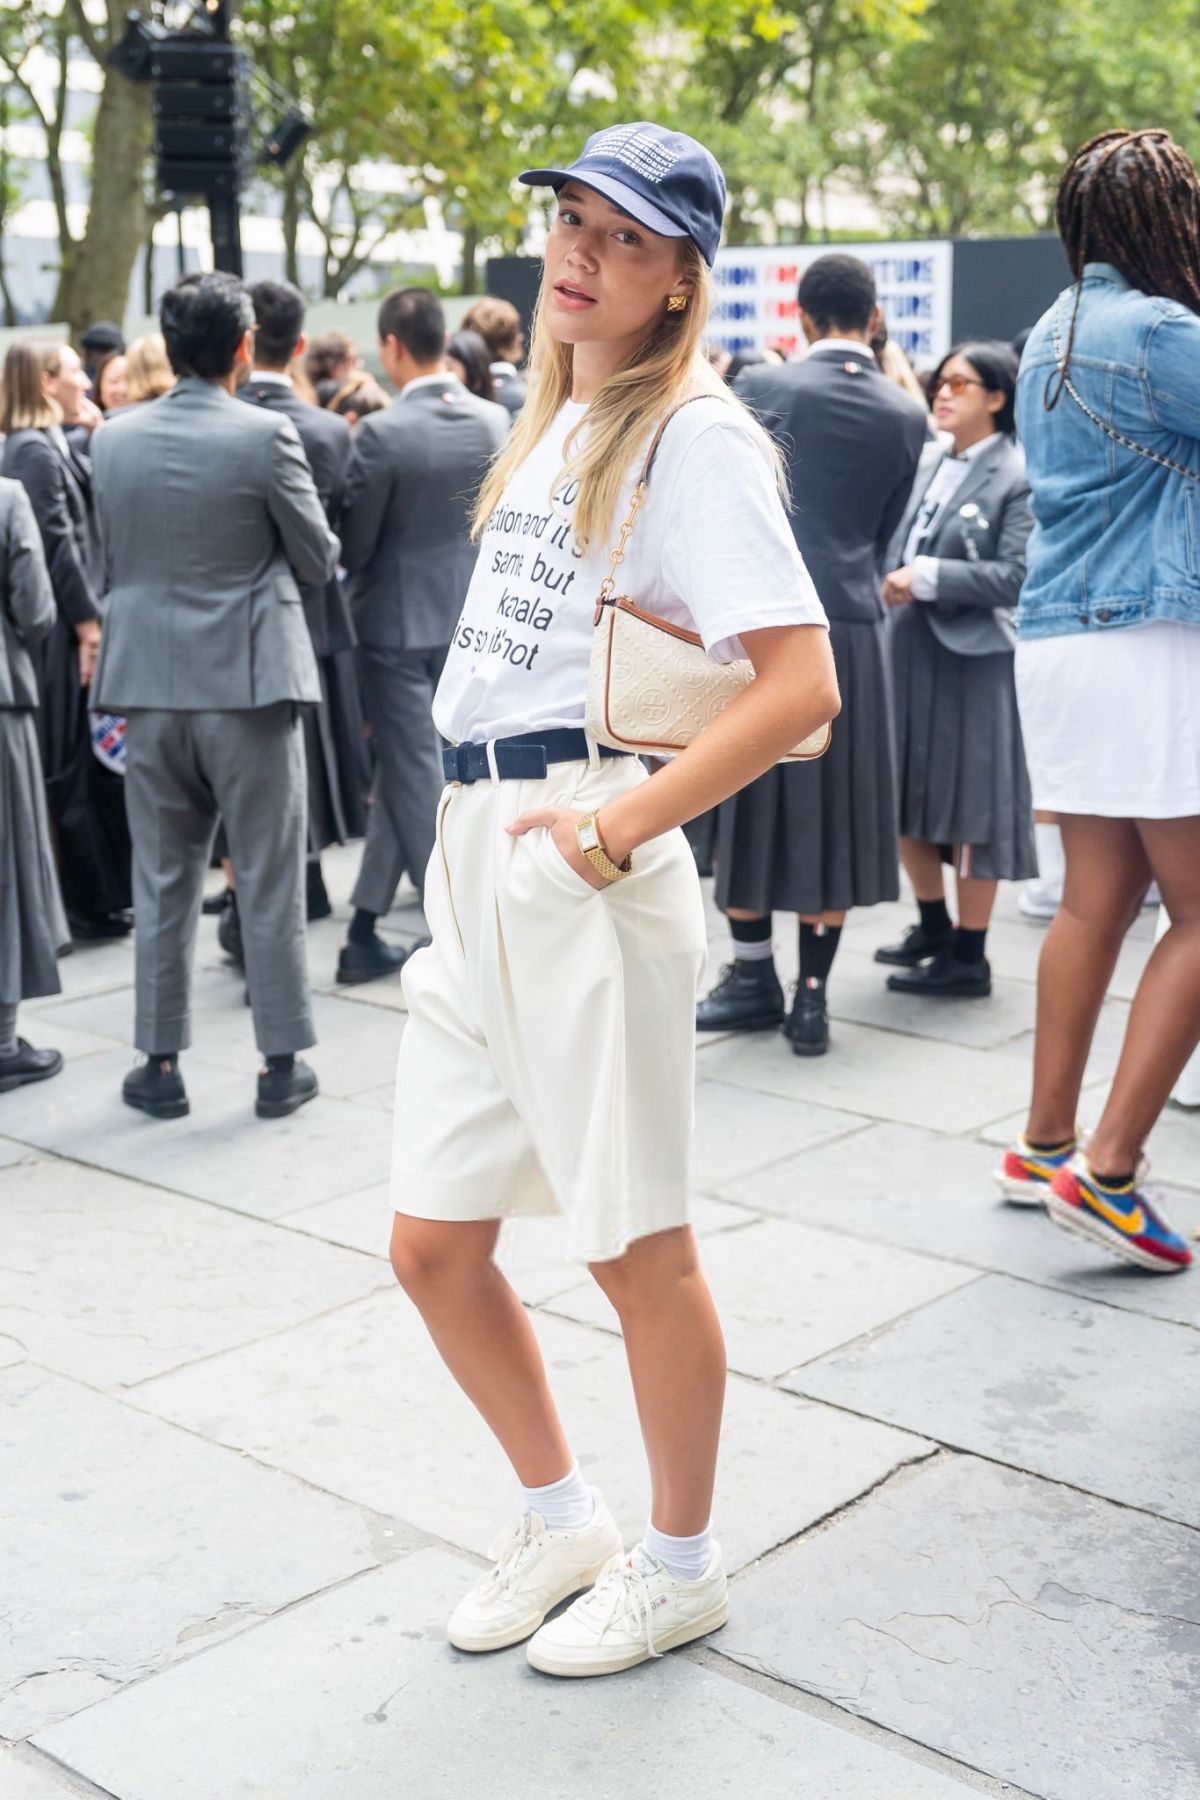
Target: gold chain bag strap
{"x": 652, "y": 686}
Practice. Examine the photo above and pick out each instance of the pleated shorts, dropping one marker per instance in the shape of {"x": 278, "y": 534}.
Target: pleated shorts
{"x": 548, "y": 1061}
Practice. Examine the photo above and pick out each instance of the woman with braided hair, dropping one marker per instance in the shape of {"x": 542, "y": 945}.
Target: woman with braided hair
{"x": 1108, "y": 671}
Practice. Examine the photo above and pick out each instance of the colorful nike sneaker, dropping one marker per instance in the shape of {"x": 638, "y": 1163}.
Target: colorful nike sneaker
{"x": 1024, "y": 1175}
{"x": 1122, "y": 1220}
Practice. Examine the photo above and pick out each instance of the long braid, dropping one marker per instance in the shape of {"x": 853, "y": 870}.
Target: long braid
{"x": 1131, "y": 198}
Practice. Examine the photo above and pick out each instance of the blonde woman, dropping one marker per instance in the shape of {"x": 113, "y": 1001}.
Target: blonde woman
{"x": 148, "y": 371}
{"x": 547, "y": 1064}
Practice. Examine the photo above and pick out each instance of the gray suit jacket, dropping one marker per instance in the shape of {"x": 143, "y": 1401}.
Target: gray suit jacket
{"x": 211, "y": 520}
{"x": 979, "y": 542}
{"x": 406, "y": 520}
{"x": 27, "y": 608}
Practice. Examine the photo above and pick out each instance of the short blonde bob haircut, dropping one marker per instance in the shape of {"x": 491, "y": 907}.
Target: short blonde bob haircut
{"x": 148, "y": 372}
{"x": 24, "y": 403}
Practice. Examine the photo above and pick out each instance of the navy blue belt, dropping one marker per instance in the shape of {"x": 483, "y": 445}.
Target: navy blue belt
{"x": 524, "y": 758}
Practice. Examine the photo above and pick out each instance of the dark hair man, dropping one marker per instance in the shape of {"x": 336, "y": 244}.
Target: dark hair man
{"x": 499, "y": 325}
{"x": 333, "y": 745}
{"x": 818, "y": 838}
{"x": 210, "y": 519}
{"x": 406, "y": 542}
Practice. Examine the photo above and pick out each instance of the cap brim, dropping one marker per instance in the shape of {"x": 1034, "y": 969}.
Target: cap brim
{"x": 644, "y": 211}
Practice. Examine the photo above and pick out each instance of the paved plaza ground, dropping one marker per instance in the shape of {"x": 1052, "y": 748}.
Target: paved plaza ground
{"x": 960, "y": 1494}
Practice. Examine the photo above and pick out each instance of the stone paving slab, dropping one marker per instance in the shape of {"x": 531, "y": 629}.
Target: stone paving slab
{"x": 355, "y": 1694}
{"x": 112, "y": 1281}
{"x": 12, "y": 1152}
{"x": 732, "y": 1138}
{"x": 1044, "y": 1636}
{"x": 219, "y": 1152}
{"x": 786, "y": 1294}
{"x": 128, "y": 1543}
{"x": 359, "y": 1403}
{"x": 894, "y": 1184}
{"x": 24, "y": 1775}
{"x": 89, "y": 969}
{"x": 872, "y": 1073}
{"x": 1040, "y": 1380}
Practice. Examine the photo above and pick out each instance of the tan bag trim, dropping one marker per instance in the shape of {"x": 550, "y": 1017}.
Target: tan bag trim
{"x": 639, "y": 494}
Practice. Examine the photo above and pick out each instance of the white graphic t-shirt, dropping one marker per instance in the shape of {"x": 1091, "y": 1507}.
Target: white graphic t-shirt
{"x": 711, "y": 550}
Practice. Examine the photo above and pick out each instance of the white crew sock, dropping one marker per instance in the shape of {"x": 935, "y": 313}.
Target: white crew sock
{"x": 566, "y": 1505}
{"x": 1048, "y": 839}
{"x": 686, "y": 1558}
{"x": 8, "y": 1027}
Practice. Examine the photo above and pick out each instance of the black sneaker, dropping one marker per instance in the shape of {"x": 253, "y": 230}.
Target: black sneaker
{"x": 284, "y": 1091}
{"x": 914, "y": 947}
{"x": 99, "y": 926}
{"x": 748, "y": 997}
{"x": 156, "y": 1087}
{"x": 944, "y": 977}
{"x": 369, "y": 962}
{"x": 807, "y": 1025}
{"x": 27, "y": 1064}
{"x": 229, "y": 935}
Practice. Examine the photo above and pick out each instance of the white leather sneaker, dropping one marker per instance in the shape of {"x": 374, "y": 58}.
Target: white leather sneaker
{"x": 534, "y": 1569}
{"x": 637, "y": 1611}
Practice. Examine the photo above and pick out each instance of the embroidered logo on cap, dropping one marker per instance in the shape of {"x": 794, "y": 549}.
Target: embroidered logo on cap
{"x": 646, "y": 155}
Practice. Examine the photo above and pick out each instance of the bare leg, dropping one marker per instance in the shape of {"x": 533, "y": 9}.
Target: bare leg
{"x": 923, "y": 866}
{"x": 677, "y": 1362}
{"x": 825, "y": 918}
{"x": 1164, "y": 1021}
{"x": 1106, "y": 875}
{"x": 742, "y": 916}
{"x": 976, "y": 898}
{"x": 484, "y": 1337}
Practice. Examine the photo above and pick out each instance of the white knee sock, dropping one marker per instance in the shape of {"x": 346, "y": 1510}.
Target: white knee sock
{"x": 566, "y": 1505}
{"x": 686, "y": 1558}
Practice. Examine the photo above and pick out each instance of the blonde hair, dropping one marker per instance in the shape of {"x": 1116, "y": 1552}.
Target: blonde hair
{"x": 24, "y": 403}
{"x": 666, "y": 368}
{"x": 148, "y": 372}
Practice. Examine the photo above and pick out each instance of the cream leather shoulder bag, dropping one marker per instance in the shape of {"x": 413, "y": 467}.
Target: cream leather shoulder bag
{"x": 652, "y": 686}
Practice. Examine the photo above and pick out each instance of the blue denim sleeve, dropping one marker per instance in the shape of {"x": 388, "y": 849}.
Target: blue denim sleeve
{"x": 1173, "y": 373}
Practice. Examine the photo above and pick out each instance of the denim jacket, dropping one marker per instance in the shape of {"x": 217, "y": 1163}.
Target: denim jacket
{"x": 1116, "y": 539}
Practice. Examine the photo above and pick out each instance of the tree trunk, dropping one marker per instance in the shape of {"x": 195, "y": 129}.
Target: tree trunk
{"x": 291, "y": 224}
{"x": 470, "y": 259}
{"x": 95, "y": 282}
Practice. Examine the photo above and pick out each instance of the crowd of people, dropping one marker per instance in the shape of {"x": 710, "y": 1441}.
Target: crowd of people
{"x": 250, "y": 607}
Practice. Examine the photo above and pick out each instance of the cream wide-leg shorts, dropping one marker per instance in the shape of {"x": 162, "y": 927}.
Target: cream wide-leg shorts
{"x": 548, "y": 1062}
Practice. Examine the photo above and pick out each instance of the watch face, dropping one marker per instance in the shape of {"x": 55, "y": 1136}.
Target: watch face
{"x": 589, "y": 837}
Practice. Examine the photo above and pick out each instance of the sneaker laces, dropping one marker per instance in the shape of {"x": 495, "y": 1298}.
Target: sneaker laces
{"x": 512, "y": 1557}
{"x": 622, "y": 1598}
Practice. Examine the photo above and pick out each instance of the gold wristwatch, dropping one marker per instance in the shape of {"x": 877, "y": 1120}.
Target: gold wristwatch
{"x": 592, "y": 845}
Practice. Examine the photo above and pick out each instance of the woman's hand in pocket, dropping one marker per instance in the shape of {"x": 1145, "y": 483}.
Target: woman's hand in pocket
{"x": 561, "y": 822}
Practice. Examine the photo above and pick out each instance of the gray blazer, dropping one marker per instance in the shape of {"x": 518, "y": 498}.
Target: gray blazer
{"x": 211, "y": 520}
{"x": 406, "y": 520}
{"x": 979, "y": 542}
{"x": 27, "y": 608}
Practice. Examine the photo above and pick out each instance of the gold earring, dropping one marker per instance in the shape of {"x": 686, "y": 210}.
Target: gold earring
{"x": 677, "y": 303}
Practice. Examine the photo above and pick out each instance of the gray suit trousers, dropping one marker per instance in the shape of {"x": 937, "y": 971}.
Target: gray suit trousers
{"x": 182, "y": 770}
{"x": 398, "y": 689}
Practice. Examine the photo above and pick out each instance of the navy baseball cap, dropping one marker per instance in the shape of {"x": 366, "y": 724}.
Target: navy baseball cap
{"x": 663, "y": 179}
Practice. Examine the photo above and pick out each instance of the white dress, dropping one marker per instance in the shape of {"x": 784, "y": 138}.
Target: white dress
{"x": 1111, "y": 720}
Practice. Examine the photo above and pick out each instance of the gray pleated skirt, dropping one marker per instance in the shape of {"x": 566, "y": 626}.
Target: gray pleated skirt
{"x": 821, "y": 837}
{"x": 33, "y": 927}
{"x": 960, "y": 757}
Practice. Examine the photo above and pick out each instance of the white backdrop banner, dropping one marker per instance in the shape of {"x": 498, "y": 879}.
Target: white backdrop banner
{"x": 756, "y": 294}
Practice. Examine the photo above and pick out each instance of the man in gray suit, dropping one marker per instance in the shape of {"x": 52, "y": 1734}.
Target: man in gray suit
{"x": 406, "y": 542}
{"x": 211, "y": 519}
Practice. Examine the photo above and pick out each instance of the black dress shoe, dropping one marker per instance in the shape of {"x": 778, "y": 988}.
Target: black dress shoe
{"x": 807, "y": 1025}
{"x": 229, "y": 935}
{"x": 914, "y": 947}
{"x": 317, "y": 904}
{"x": 284, "y": 1091}
{"x": 99, "y": 926}
{"x": 748, "y": 997}
{"x": 369, "y": 962}
{"x": 216, "y": 903}
{"x": 945, "y": 978}
{"x": 157, "y": 1088}
{"x": 27, "y": 1064}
